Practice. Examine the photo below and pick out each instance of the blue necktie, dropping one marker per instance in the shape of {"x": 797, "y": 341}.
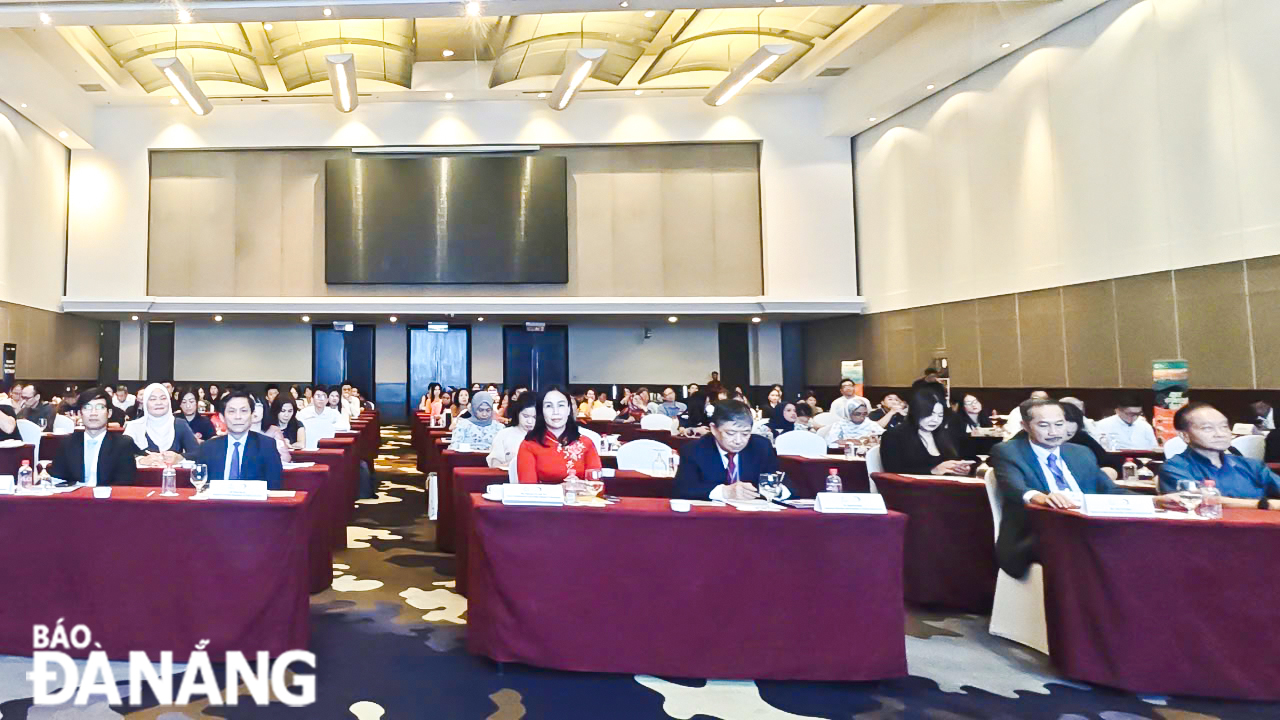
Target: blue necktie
{"x": 235, "y": 463}
{"x": 1058, "y": 478}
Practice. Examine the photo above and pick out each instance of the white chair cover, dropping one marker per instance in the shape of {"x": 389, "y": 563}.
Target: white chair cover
{"x": 873, "y": 461}
{"x": 802, "y": 443}
{"x": 591, "y": 435}
{"x": 640, "y": 455}
{"x": 655, "y": 422}
{"x": 30, "y": 434}
{"x": 824, "y": 432}
{"x": 63, "y": 425}
{"x": 317, "y": 430}
{"x": 1253, "y": 447}
{"x": 1018, "y": 611}
{"x": 603, "y": 413}
{"x": 825, "y": 419}
{"x": 1174, "y": 446}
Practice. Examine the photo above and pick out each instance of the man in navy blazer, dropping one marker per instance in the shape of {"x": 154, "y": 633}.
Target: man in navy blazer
{"x": 725, "y": 464}
{"x": 253, "y": 456}
{"x": 94, "y": 456}
{"x": 1036, "y": 468}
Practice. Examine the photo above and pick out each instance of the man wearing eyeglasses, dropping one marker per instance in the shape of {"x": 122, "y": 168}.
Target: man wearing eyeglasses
{"x": 94, "y": 456}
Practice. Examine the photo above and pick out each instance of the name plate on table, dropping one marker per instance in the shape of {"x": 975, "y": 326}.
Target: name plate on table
{"x": 851, "y": 503}
{"x": 238, "y": 489}
{"x": 6, "y": 484}
{"x": 464, "y": 447}
{"x": 1118, "y": 506}
{"x": 530, "y": 494}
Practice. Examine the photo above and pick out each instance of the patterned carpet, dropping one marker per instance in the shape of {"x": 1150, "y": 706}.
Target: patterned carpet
{"x": 389, "y": 634}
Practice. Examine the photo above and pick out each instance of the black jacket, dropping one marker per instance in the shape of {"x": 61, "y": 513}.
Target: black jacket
{"x": 115, "y": 460}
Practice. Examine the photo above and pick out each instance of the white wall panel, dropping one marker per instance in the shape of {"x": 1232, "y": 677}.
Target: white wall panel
{"x": 33, "y": 202}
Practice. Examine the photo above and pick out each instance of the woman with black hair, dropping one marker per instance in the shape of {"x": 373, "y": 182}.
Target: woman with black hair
{"x": 553, "y": 449}
{"x": 922, "y": 445}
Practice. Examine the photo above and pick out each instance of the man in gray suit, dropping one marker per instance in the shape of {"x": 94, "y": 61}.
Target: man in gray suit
{"x": 1038, "y": 469}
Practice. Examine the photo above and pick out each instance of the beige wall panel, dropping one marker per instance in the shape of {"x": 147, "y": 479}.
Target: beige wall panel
{"x": 1264, "y": 309}
{"x": 685, "y": 215}
{"x": 929, "y": 335}
{"x": 591, "y": 214}
{"x": 1146, "y": 325}
{"x": 51, "y": 346}
{"x": 736, "y": 247}
{"x": 900, "y": 348}
{"x": 1214, "y": 325}
{"x": 1043, "y": 354}
{"x": 637, "y": 259}
{"x": 961, "y": 322}
{"x": 258, "y": 216}
{"x": 998, "y": 335}
{"x": 302, "y": 237}
{"x": 1090, "y": 319}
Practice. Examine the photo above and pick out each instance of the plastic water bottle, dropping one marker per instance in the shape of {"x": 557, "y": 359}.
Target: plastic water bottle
{"x": 833, "y": 481}
{"x": 1130, "y": 469}
{"x": 169, "y": 481}
{"x": 1211, "y": 501}
{"x": 26, "y": 478}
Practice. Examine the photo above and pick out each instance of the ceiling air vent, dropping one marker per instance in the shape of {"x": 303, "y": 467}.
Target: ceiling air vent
{"x": 92, "y": 87}
{"x": 833, "y": 72}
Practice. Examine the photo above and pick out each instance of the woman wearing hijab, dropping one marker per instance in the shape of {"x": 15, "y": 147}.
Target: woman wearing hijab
{"x": 478, "y": 430}
{"x": 854, "y": 423}
{"x": 160, "y": 436}
{"x": 783, "y": 418}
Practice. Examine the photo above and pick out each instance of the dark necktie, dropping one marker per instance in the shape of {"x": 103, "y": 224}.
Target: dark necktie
{"x": 731, "y": 476}
{"x": 235, "y": 463}
{"x": 1058, "y": 478}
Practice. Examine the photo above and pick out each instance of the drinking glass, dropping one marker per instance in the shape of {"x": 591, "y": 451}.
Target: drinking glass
{"x": 1144, "y": 473}
{"x": 595, "y": 482}
{"x": 769, "y": 486}
{"x": 199, "y": 476}
{"x": 1189, "y": 495}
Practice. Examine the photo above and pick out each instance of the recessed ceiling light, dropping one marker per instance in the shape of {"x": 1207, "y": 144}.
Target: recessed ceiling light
{"x": 393, "y": 318}
{"x": 624, "y": 4}
{"x": 306, "y": 318}
{"x": 63, "y": 134}
{"x": 217, "y": 318}
{"x": 639, "y": 92}
{"x": 473, "y": 9}
{"x": 184, "y": 16}
{"x": 447, "y": 52}
{"x": 327, "y": 12}
{"x": 755, "y": 319}
{"x": 267, "y": 26}
{"x": 1005, "y": 45}
{"x": 133, "y": 317}
{"x": 929, "y": 86}
{"x": 480, "y": 319}
{"x": 24, "y": 105}
{"x": 174, "y": 101}
{"x": 542, "y": 96}
{"x": 44, "y": 18}
{"x": 672, "y": 318}
{"x": 650, "y": 13}
{"x": 448, "y": 96}
{"x": 871, "y": 119}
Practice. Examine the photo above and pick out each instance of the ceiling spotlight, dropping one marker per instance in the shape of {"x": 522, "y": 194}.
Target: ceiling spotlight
{"x": 929, "y": 86}
{"x": 473, "y": 9}
{"x": 871, "y": 119}
{"x": 542, "y": 96}
{"x": 1004, "y": 46}
{"x": 577, "y": 68}
{"x": 393, "y": 318}
{"x": 480, "y": 319}
{"x": 267, "y": 26}
{"x": 24, "y": 105}
{"x": 755, "y": 319}
{"x": 174, "y": 101}
{"x": 62, "y": 134}
{"x": 448, "y": 96}
{"x": 639, "y": 92}
{"x": 650, "y": 13}
{"x": 217, "y": 318}
{"x": 184, "y": 16}
{"x": 176, "y": 73}
{"x": 447, "y": 52}
{"x": 624, "y": 4}
{"x": 44, "y": 18}
{"x": 342, "y": 80}
{"x": 672, "y": 318}
{"x": 744, "y": 73}
{"x": 327, "y": 12}
{"x": 306, "y": 318}
{"x": 133, "y": 317}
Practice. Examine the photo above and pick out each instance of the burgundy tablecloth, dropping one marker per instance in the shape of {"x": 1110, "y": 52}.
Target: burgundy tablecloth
{"x": 1119, "y": 456}
{"x": 50, "y": 444}
{"x": 344, "y": 469}
{"x": 326, "y": 513}
{"x": 1164, "y": 606}
{"x": 155, "y": 574}
{"x": 808, "y": 476}
{"x": 11, "y": 459}
{"x": 638, "y": 588}
{"x": 468, "y": 480}
{"x": 949, "y": 559}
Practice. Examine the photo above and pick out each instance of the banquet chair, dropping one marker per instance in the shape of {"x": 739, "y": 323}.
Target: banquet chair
{"x": 1018, "y": 611}
{"x": 603, "y": 413}
{"x": 655, "y": 422}
{"x": 873, "y": 466}
{"x": 824, "y": 419}
{"x": 30, "y": 434}
{"x": 641, "y": 455}
{"x": 588, "y": 433}
{"x": 802, "y": 443}
{"x": 825, "y": 431}
{"x": 63, "y": 425}
{"x": 1174, "y": 446}
{"x": 317, "y": 430}
{"x": 1253, "y": 447}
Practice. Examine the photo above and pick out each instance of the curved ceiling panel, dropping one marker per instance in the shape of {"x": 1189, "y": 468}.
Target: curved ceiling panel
{"x": 536, "y": 45}
{"x": 468, "y": 39}
{"x": 383, "y": 49}
{"x": 211, "y": 51}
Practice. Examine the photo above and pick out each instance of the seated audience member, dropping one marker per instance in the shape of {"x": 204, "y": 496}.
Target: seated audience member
{"x": 889, "y": 414}
{"x": 847, "y": 393}
{"x": 588, "y": 403}
{"x": 725, "y": 464}
{"x": 284, "y": 423}
{"x": 783, "y": 419}
{"x": 1077, "y": 436}
{"x": 692, "y": 390}
{"x": 811, "y": 399}
{"x": 636, "y": 407}
{"x": 33, "y": 409}
{"x": 122, "y": 400}
{"x": 478, "y": 430}
{"x": 351, "y": 404}
{"x": 4, "y": 398}
{"x": 215, "y": 398}
{"x": 971, "y": 415}
{"x": 272, "y": 392}
{"x": 430, "y": 400}
{"x": 1013, "y": 423}
{"x": 922, "y": 445}
{"x": 1127, "y": 428}
{"x": 1037, "y": 468}
{"x": 553, "y": 450}
{"x": 772, "y": 402}
{"x": 856, "y": 425}
{"x": 242, "y": 454}
{"x": 461, "y": 407}
{"x": 804, "y": 417}
{"x": 670, "y": 406}
{"x": 202, "y": 400}
{"x": 1090, "y": 427}
{"x": 319, "y": 410}
{"x": 94, "y": 456}
{"x": 1207, "y": 432}
{"x": 446, "y": 409}
{"x": 160, "y": 437}
{"x": 200, "y": 425}
{"x": 9, "y": 423}
{"x": 507, "y": 442}
{"x": 1261, "y": 416}
{"x": 501, "y": 413}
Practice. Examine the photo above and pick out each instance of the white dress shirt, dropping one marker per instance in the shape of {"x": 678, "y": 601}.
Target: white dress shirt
{"x": 717, "y": 493}
{"x": 837, "y": 406}
{"x": 231, "y": 451}
{"x": 1013, "y": 424}
{"x": 1138, "y": 436}
{"x": 92, "y": 447}
{"x": 338, "y": 420}
{"x": 1042, "y": 455}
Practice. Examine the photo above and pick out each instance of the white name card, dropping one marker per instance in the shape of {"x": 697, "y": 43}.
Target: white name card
{"x": 238, "y": 489}
{"x": 607, "y": 472}
{"x": 6, "y": 484}
{"x": 851, "y": 503}
{"x": 464, "y": 447}
{"x": 1119, "y": 506}
{"x": 531, "y": 494}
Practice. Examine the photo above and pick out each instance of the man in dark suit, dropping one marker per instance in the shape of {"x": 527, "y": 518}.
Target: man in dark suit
{"x": 241, "y": 454}
{"x": 94, "y": 456}
{"x": 1036, "y": 468}
{"x": 724, "y": 464}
